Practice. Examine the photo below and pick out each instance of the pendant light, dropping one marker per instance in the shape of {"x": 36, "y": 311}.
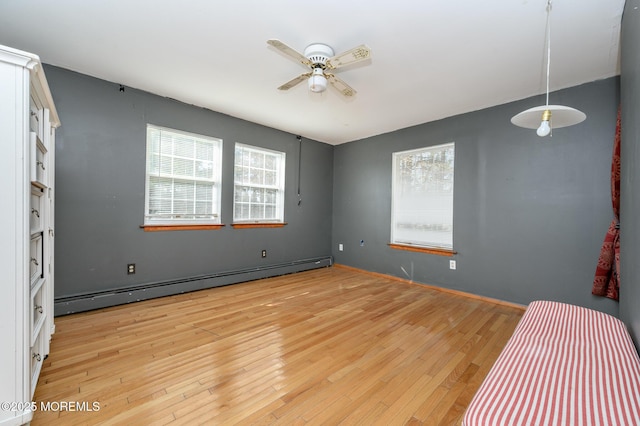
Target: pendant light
{"x": 547, "y": 117}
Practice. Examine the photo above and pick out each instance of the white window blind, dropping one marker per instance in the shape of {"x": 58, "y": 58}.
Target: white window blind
{"x": 258, "y": 185}
{"x": 183, "y": 177}
{"x": 422, "y": 192}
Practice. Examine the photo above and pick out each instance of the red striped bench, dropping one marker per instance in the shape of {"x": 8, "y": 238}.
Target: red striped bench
{"x": 564, "y": 365}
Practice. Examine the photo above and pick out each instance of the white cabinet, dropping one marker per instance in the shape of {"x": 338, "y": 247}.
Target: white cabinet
{"x": 28, "y": 120}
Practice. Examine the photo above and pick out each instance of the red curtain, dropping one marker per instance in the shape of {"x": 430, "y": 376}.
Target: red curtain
{"x": 607, "y": 278}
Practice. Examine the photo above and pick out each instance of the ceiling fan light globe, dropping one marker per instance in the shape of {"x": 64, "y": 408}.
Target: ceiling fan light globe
{"x": 317, "y": 83}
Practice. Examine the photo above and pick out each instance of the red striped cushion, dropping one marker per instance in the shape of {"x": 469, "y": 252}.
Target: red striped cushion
{"x": 564, "y": 365}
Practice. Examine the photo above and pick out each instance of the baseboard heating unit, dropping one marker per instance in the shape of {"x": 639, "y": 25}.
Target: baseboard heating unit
{"x": 89, "y": 301}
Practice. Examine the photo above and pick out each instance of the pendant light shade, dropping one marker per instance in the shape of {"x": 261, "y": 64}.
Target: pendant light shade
{"x": 561, "y": 116}
{"x": 547, "y": 117}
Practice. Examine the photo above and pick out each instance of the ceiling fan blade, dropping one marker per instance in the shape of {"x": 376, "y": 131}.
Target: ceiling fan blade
{"x": 341, "y": 86}
{"x": 299, "y": 79}
{"x": 289, "y": 51}
{"x": 354, "y": 55}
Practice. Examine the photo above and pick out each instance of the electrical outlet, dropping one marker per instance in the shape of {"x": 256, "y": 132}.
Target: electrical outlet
{"x": 131, "y": 268}
{"x": 340, "y": 247}
{"x": 264, "y": 253}
{"x": 452, "y": 264}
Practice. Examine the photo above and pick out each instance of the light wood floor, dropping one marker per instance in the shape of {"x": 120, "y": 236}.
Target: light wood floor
{"x": 328, "y": 346}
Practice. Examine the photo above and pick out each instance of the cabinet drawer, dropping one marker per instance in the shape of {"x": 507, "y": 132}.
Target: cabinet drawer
{"x": 35, "y": 118}
{"x": 37, "y": 357}
{"x": 35, "y": 261}
{"x": 38, "y": 310}
{"x": 35, "y": 217}
{"x": 38, "y": 161}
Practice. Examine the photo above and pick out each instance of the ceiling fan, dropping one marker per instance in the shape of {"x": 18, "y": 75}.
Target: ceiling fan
{"x": 321, "y": 61}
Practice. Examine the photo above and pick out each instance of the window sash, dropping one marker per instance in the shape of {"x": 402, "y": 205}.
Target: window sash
{"x": 182, "y": 178}
{"x": 258, "y": 185}
{"x": 422, "y": 197}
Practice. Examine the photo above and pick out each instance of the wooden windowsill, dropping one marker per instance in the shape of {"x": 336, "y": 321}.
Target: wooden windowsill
{"x": 183, "y": 227}
{"x": 258, "y": 225}
{"x": 436, "y": 251}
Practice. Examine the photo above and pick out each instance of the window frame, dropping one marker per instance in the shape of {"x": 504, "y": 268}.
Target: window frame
{"x": 279, "y": 187}
{"x": 431, "y": 247}
{"x": 152, "y": 223}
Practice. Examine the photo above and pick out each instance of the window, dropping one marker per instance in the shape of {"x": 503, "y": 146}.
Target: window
{"x": 422, "y": 206}
{"x": 258, "y": 185}
{"x": 183, "y": 178}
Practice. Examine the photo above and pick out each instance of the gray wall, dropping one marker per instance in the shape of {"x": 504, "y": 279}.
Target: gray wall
{"x": 100, "y": 177}
{"x": 630, "y": 179}
{"x": 530, "y": 214}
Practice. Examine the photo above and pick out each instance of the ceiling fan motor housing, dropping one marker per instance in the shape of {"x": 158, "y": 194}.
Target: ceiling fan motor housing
{"x": 318, "y": 53}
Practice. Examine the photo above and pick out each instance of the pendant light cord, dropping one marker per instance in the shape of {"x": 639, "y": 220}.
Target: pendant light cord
{"x": 548, "y": 46}
{"x": 299, "y": 138}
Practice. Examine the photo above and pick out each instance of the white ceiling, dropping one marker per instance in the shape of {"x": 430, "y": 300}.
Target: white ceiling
{"x": 430, "y": 59}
